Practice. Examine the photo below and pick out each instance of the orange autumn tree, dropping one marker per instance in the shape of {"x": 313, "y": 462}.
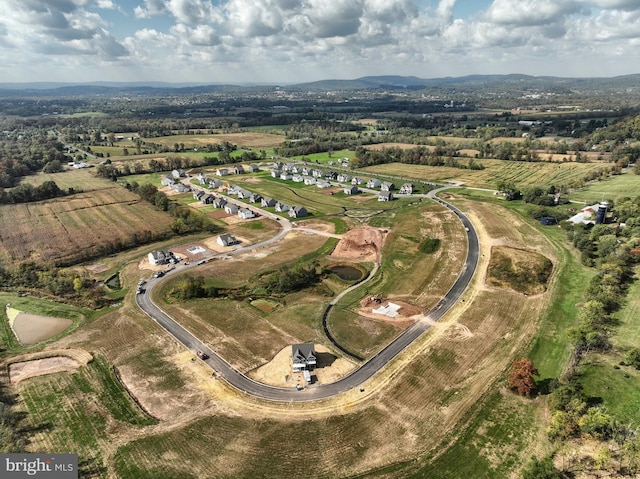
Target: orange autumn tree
{"x": 521, "y": 377}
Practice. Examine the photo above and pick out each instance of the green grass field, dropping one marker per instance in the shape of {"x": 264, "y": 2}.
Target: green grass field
{"x": 619, "y": 186}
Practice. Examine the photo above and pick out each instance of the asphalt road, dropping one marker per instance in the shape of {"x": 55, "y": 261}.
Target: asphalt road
{"x": 354, "y": 379}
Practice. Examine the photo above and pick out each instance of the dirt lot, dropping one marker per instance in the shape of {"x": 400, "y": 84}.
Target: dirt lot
{"x": 407, "y": 314}
{"x": 39, "y": 367}
{"x": 360, "y": 244}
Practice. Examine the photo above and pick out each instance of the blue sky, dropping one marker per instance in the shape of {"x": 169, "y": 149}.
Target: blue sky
{"x": 291, "y": 41}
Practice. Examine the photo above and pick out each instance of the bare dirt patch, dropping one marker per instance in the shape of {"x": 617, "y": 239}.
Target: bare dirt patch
{"x": 97, "y": 268}
{"x": 406, "y": 315}
{"x": 39, "y": 367}
{"x": 278, "y": 372}
{"x": 360, "y": 244}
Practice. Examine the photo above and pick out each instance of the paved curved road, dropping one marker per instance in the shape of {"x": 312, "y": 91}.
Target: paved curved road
{"x": 353, "y": 379}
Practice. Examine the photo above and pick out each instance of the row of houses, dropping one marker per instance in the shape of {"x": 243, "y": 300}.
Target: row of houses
{"x": 237, "y": 170}
{"x": 246, "y": 213}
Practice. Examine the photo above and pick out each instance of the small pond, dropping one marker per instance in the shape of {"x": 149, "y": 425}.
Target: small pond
{"x": 347, "y": 273}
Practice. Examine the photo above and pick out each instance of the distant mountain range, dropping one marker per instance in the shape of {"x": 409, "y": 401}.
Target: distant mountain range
{"x": 389, "y": 82}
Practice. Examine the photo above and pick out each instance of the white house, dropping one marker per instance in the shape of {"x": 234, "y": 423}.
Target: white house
{"x": 310, "y": 180}
{"x": 323, "y": 184}
{"x": 351, "y": 190}
{"x": 245, "y": 213}
{"x": 222, "y": 172}
{"x": 282, "y": 207}
{"x": 387, "y": 186}
{"x": 159, "y": 257}
{"x": 374, "y": 183}
{"x": 303, "y": 357}
{"x": 406, "y": 189}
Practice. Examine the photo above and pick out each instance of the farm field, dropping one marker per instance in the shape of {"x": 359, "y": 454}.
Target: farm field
{"x": 251, "y": 139}
{"x": 81, "y": 179}
{"x": 66, "y": 230}
{"x": 520, "y": 173}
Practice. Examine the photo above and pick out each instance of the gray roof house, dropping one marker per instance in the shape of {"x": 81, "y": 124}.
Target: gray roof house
{"x": 227, "y": 240}
{"x": 178, "y": 173}
{"x": 255, "y": 198}
{"x": 168, "y": 180}
{"x": 238, "y": 170}
{"x": 303, "y": 357}
{"x": 207, "y": 199}
{"x": 197, "y": 195}
{"x": 219, "y": 203}
{"x": 231, "y": 209}
{"x": 385, "y": 196}
{"x": 267, "y": 202}
{"x": 351, "y": 190}
{"x": 374, "y": 183}
{"x": 246, "y": 213}
{"x": 244, "y": 194}
{"x": 159, "y": 257}
{"x": 180, "y": 188}
{"x": 282, "y": 207}
{"x": 252, "y": 168}
{"x": 222, "y": 172}
{"x": 297, "y": 212}
{"x": 387, "y": 186}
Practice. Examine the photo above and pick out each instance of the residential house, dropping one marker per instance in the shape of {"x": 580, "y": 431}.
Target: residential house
{"x": 233, "y": 189}
{"x": 406, "y": 189}
{"x": 198, "y": 194}
{"x": 267, "y": 202}
{"x": 168, "y": 180}
{"x": 231, "y": 209}
{"x": 275, "y": 173}
{"x": 296, "y": 169}
{"x": 351, "y": 190}
{"x": 306, "y": 171}
{"x": 202, "y": 178}
{"x": 356, "y": 180}
{"x": 238, "y": 170}
{"x": 387, "y": 186}
{"x": 282, "y": 207}
{"x": 309, "y": 180}
{"x": 317, "y": 173}
{"x": 297, "y": 212}
{"x": 374, "y": 183}
{"x": 222, "y": 172}
{"x": 255, "y": 198}
{"x": 253, "y": 168}
{"x": 227, "y": 240}
{"x": 246, "y": 213}
{"x": 214, "y": 183}
{"x": 332, "y": 175}
{"x": 323, "y": 184}
{"x": 207, "y": 199}
{"x": 303, "y": 357}
{"x": 160, "y": 257}
{"x": 180, "y": 188}
{"x": 285, "y": 175}
{"x": 244, "y": 194}
{"x": 297, "y": 178}
{"x": 178, "y": 173}
{"x": 385, "y": 196}
{"x": 219, "y": 203}
{"x": 343, "y": 178}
